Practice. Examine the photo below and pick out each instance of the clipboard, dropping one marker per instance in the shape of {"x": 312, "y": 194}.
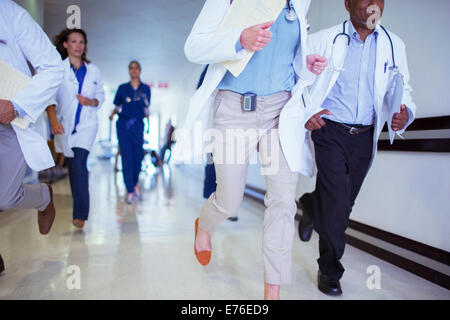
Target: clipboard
{"x": 12, "y": 82}
{"x": 393, "y": 99}
{"x": 246, "y": 13}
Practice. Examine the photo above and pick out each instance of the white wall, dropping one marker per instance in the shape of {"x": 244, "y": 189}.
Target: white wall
{"x": 405, "y": 193}
{"x": 35, "y": 8}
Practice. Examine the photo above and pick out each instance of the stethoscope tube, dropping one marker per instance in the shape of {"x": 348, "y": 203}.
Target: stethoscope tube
{"x": 343, "y": 33}
{"x": 392, "y": 47}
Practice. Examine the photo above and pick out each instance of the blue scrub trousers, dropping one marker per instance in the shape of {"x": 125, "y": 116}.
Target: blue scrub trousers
{"x": 130, "y": 132}
{"x": 209, "y": 185}
{"x": 79, "y": 183}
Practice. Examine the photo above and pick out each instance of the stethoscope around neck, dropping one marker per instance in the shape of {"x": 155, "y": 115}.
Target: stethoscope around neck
{"x": 394, "y": 66}
{"x": 291, "y": 16}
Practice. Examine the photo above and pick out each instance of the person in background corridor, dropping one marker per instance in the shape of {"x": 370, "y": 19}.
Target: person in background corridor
{"x": 168, "y": 142}
{"x": 132, "y": 103}
{"x": 78, "y": 101}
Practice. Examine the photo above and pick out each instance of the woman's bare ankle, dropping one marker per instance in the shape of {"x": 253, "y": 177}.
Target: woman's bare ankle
{"x": 271, "y": 291}
{"x": 203, "y": 240}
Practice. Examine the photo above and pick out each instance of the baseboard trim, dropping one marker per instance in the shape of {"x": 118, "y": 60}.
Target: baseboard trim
{"x": 419, "y": 270}
{"x": 436, "y": 254}
{"x": 422, "y": 271}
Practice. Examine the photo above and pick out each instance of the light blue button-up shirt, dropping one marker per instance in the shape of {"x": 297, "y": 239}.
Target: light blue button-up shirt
{"x": 20, "y": 111}
{"x": 271, "y": 69}
{"x": 351, "y": 100}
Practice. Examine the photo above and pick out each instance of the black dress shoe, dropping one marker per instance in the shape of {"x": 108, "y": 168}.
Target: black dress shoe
{"x": 305, "y": 228}
{"x": 306, "y": 225}
{"x": 2, "y": 264}
{"x": 328, "y": 286}
{"x": 233, "y": 219}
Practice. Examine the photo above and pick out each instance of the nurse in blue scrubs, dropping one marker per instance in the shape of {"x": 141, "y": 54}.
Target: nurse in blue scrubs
{"x": 132, "y": 103}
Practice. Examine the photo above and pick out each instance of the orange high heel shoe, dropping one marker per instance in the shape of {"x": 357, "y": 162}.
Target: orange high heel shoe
{"x": 204, "y": 257}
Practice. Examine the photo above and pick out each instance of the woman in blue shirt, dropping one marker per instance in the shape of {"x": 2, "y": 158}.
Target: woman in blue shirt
{"x": 132, "y": 103}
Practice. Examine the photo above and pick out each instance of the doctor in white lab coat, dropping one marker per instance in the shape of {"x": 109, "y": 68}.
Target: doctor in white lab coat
{"x": 205, "y": 46}
{"x": 279, "y": 108}
{"x": 78, "y": 101}
{"x": 348, "y": 109}
{"x": 22, "y": 40}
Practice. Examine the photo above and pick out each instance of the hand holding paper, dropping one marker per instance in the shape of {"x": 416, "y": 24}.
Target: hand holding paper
{"x": 400, "y": 119}
{"x": 12, "y": 82}
{"x": 244, "y": 14}
{"x": 6, "y": 112}
{"x": 257, "y": 37}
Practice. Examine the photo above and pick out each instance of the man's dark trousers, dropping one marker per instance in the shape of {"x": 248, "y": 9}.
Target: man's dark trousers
{"x": 343, "y": 160}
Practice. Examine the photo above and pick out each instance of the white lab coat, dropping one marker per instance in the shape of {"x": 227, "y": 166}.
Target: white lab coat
{"x": 23, "y": 40}
{"x": 206, "y": 46}
{"x": 67, "y": 105}
{"x": 322, "y": 43}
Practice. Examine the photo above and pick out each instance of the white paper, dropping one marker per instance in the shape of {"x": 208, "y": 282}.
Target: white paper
{"x": 394, "y": 99}
{"x": 247, "y": 13}
{"x": 12, "y": 81}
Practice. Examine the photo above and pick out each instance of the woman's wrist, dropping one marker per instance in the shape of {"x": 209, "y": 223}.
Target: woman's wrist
{"x": 53, "y": 119}
{"x": 54, "y": 123}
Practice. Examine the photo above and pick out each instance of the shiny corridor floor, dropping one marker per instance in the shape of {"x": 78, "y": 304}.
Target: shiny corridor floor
{"x": 145, "y": 251}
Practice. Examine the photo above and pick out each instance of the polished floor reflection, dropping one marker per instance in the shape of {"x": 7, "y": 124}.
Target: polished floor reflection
{"x": 145, "y": 250}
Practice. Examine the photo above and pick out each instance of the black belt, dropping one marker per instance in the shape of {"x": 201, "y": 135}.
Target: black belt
{"x": 352, "y": 129}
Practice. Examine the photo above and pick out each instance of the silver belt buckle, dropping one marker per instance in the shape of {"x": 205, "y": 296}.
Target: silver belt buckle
{"x": 353, "y": 130}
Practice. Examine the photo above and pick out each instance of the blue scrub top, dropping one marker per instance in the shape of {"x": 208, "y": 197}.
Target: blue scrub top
{"x": 270, "y": 70}
{"x": 133, "y": 102}
{"x": 80, "y": 74}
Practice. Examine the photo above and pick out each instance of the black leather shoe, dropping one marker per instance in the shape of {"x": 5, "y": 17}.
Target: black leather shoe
{"x": 2, "y": 265}
{"x": 233, "y": 219}
{"x": 328, "y": 286}
{"x": 306, "y": 225}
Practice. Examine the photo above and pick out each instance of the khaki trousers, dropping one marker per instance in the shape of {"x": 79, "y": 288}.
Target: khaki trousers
{"x": 13, "y": 193}
{"x": 238, "y": 135}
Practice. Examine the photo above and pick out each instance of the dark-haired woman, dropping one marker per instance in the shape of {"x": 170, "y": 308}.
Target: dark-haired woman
{"x": 132, "y": 103}
{"x": 78, "y": 100}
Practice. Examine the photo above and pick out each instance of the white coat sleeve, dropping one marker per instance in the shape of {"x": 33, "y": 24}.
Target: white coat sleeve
{"x": 407, "y": 97}
{"x": 317, "y": 44}
{"x": 207, "y": 46}
{"x": 44, "y": 58}
{"x": 58, "y": 99}
{"x": 100, "y": 91}
{"x": 306, "y": 5}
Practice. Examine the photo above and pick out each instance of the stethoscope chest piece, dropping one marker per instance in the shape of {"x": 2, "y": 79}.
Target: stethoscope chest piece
{"x": 290, "y": 15}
